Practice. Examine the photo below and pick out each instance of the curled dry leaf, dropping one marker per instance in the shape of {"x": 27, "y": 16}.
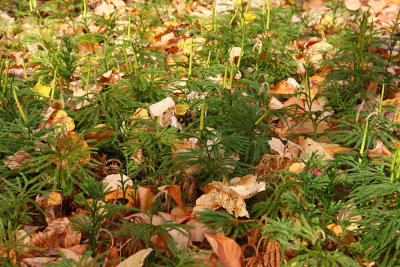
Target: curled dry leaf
{"x": 57, "y": 234}
{"x": 230, "y": 197}
{"x": 16, "y": 161}
{"x": 228, "y": 251}
{"x": 37, "y": 261}
{"x": 60, "y": 119}
{"x": 142, "y": 197}
{"x": 234, "y": 53}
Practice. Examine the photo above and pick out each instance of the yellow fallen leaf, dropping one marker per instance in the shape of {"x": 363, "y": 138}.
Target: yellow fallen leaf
{"x": 297, "y": 167}
{"x": 181, "y": 109}
{"x": 336, "y": 229}
{"x": 42, "y": 89}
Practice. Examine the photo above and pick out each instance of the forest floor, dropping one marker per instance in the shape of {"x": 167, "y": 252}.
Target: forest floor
{"x": 199, "y": 133}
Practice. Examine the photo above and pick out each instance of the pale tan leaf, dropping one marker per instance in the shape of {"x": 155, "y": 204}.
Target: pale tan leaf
{"x": 69, "y": 254}
{"x": 37, "y": 261}
{"x": 197, "y": 234}
{"x": 137, "y": 259}
{"x": 247, "y": 186}
{"x": 352, "y": 5}
{"x": 157, "y": 109}
{"x": 309, "y": 146}
{"x": 113, "y": 181}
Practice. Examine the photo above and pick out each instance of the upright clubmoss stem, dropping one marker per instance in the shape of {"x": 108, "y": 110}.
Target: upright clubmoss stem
{"x": 53, "y": 88}
{"x": 203, "y": 110}
{"x": 88, "y": 80}
{"x": 395, "y": 163}
{"x": 225, "y": 74}
{"x": 129, "y": 28}
{"x": 268, "y": 13}
{"x": 21, "y": 111}
{"x": 24, "y": 67}
{"x": 364, "y": 141}
{"x": 85, "y": 8}
{"x": 381, "y": 101}
{"x": 231, "y": 75}
{"x": 190, "y": 60}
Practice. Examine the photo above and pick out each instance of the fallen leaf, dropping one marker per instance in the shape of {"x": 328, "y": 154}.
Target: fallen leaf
{"x": 145, "y": 197}
{"x": 42, "y": 90}
{"x": 309, "y": 146}
{"x": 69, "y": 254}
{"x": 181, "y": 109}
{"x": 137, "y": 259}
{"x": 15, "y": 162}
{"x": 198, "y": 233}
{"x": 157, "y": 109}
{"x": 230, "y": 197}
{"x": 57, "y": 234}
{"x": 114, "y": 181}
{"x": 174, "y": 191}
{"x": 286, "y": 87}
{"x": 352, "y": 5}
{"x": 234, "y": 53}
{"x": 297, "y": 167}
{"x": 336, "y": 229}
{"x": 228, "y": 251}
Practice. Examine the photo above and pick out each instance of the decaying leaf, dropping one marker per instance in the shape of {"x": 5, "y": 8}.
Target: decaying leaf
{"x": 16, "y": 161}
{"x": 230, "y": 197}
{"x": 57, "y": 234}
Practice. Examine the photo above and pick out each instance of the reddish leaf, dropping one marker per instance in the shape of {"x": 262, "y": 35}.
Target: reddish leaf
{"x": 228, "y": 251}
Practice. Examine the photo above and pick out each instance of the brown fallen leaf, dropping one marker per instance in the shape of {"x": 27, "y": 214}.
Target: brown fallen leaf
{"x": 37, "y": 261}
{"x": 228, "y": 251}
{"x": 285, "y": 87}
{"x": 174, "y": 191}
{"x": 15, "y": 162}
{"x": 57, "y": 234}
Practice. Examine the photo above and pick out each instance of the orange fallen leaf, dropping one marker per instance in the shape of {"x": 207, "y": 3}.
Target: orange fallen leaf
{"x": 228, "y": 251}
